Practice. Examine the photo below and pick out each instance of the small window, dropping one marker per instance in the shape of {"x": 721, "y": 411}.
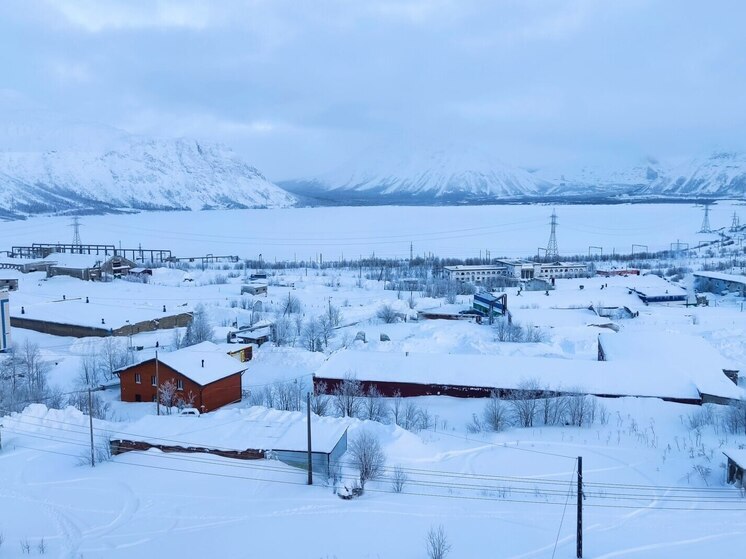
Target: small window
{"x": 179, "y": 384}
{"x": 138, "y": 378}
{"x": 153, "y": 381}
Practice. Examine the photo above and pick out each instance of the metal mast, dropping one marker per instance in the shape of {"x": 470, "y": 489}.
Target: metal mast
{"x": 706, "y": 221}
{"x": 552, "y": 251}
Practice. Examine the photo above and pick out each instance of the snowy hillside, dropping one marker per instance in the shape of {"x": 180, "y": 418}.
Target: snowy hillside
{"x": 438, "y": 176}
{"x": 48, "y": 166}
{"x": 721, "y": 174}
{"x": 603, "y": 180}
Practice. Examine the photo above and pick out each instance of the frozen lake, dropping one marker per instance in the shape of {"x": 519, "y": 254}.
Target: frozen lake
{"x": 461, "y": 231}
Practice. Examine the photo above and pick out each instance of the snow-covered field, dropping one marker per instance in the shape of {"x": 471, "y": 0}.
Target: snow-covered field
{"x": 653, "y": 471}
{"x": 387, "y": 231}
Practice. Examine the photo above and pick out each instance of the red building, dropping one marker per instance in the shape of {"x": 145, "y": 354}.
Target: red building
{"x": 203, "y": 376}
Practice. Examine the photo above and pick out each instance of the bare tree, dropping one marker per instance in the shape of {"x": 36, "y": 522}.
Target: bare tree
{"x": 735, "y": 417}
{"x": 437, "y": 543}
{"x": 112, "y": 356}
{"x": 326, "y": 329}
{"x": 311, "y": 335}
{"x": 386, "y": 313}
{"x": 291, "y": 305}
{"x": 367, "y": 456}
{"x": 374, "y": 406}
{"x": 524, "y": 402}
{"x": 495, "y": 413}
{"x": 397, "y": 407}
{"x": 348, "y": 396}
{"x": 167, "y": 394}
{"x": 199, "y": 329}
{"x": 282, "y": 333}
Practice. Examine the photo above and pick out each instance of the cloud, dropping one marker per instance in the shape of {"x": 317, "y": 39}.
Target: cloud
{"x": 98, "y": 15}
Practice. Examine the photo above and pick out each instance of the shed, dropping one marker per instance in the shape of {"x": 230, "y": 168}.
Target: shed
{"x": 254, "y": 289}
{"x": 653, "y": 289}
{"x": 205, "y": 377}
{"x": 86, "y": 266}
{"x": 249, "y": 433}
{"x": 736, "y": 466}
{"x": 10, "y": 284}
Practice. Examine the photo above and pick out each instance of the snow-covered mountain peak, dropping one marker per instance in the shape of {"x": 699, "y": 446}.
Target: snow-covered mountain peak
{"x": 49, "y": 164}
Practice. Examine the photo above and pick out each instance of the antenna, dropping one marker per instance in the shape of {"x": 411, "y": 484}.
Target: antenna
{"x": 76, "y": 230}
{"x": 552, "y": 251}
{"x": 706, "y": 221}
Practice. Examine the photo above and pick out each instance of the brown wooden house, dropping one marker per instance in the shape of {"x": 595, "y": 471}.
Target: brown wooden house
{"x": 206, "y": 377}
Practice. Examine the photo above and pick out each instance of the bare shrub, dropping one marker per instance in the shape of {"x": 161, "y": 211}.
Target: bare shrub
{"x": 398, "y": 479}
{"x": 386, "y": 314}
{"x": 374, "y": 406}
{"x": 436, "y": 543}
{"x": 367, "y": 457}
{"x": 320, "y": 400}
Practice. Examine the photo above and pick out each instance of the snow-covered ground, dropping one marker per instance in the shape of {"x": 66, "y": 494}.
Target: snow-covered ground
{"x": 463, "y": 232}
{"x": 654, "y": 480}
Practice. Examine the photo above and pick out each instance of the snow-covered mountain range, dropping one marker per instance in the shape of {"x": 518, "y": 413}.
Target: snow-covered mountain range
{"x": 445, "y": 177}
{"x": 48, "y": 165}
{"x": 441, "y": 176}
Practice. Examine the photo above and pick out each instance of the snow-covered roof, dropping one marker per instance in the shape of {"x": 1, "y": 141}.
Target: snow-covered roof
{"x": 497, "y": 371}
{"x": 738, "y": 455}
{"x": 691, "y": 356}
{"x": 253, "y": 428}
{"x": 723, "y": 277}
{"x": 69, "y": 260}
{"x": 651, "y": 285}
{"x": 203, "y": 363}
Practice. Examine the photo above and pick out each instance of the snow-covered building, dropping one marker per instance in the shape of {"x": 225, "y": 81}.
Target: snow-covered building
{"x": 527, "y": 270}
{"x": 477, "y": 375}
{"x": 86, "y": 266}
{"x": 736, "y": 466}
{"x": 715, "y": 377}
{"x": 654, "y": 289}
{"x": 716, "y": 282}
{"x": 474, "y": 274}
{"x": 250, "y": 434}
{"x": 204, "y": 376}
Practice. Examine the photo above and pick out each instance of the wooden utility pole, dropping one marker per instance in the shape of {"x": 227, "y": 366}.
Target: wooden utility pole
{"x": 579, "y": 536}
{"x": 310, "y": 454}
{"x": 90, "y": 425}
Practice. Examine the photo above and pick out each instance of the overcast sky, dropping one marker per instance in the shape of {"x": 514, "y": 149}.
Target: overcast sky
{"x": 299, "y": 86}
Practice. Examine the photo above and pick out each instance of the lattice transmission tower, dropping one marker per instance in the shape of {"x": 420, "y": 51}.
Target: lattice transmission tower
{"x": 76, "y": 230}
{"x": 735, "y": 224}
{"x": 552, "y": 250}
{"x": 706, "y": 221}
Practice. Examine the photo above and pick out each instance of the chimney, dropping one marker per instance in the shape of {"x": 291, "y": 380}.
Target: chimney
{"x": 203, "y": 363}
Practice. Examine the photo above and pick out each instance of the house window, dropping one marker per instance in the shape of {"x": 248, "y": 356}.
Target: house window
{"x": 153, "y": 381}
{"x": 138, "y": 378}
{"x": 179, "y": 384}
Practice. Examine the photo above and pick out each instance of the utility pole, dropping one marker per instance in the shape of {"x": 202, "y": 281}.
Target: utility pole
{"x": 579, "y": 536}
{"x": 90, "y": 425}
{"x": 157, "y": 386}
{"x": 310, "y": 455}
